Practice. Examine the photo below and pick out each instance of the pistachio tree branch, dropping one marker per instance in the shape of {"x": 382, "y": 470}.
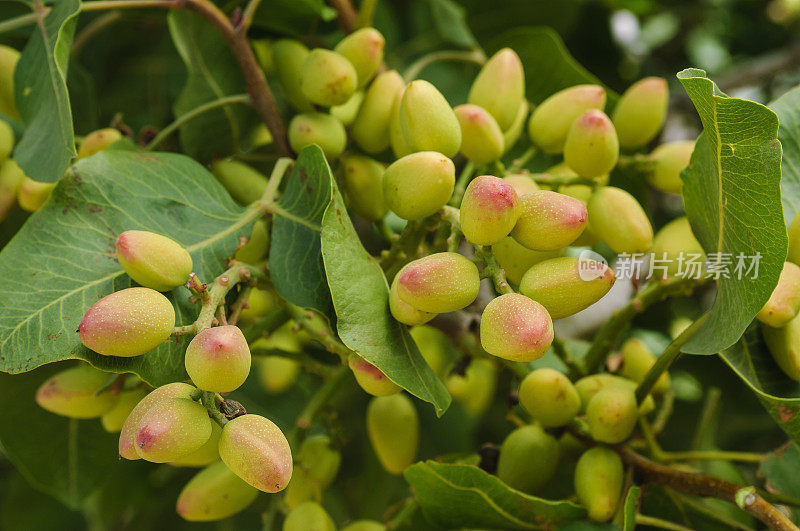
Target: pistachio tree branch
{"x": 655, "y": 291}
{"x": 493, "y": 270}
{"x": 746, "y": 498}
{"x": 346, "y": 14}
{"x": 461, "y": 184}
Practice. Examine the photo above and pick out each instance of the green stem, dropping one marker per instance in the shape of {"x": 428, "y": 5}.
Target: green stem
{"x": 93, "y": 28}
{"x": 210, "y": 402}
{"x": 366, "y": 12}
{"x": 742, "y": 457}
{"x": 565, "y": 180}
{"x": 403, "y": 516}
{"x": 20, "y": 21}
{"x": 777, "y": 497}
{"x": 275, "y": 178}
{"x": 667, "y": 405}
{"x": 473, "y": 56}
{"x": 607, "y": 336}
{"x": 658, "y": 522}
{"x": 461, "y": 184}
{"x": 104, "y": 5}
{"x": 453, "y": 217}
{"x": 666, "y": 359}
{"x": 247, "y": 16}
{"x": 493, "y": 270}
{"x": 560, "y": 350}
{"x": 318, "y": 328}
{"x": 522, "y": 160}
{"x": 194, "y": 113}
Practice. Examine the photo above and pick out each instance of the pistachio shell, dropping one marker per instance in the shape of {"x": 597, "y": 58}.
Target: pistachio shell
{"x": 213, "y": 494}
{"x": 218, "y": 359}
{"x": 516, "y": 259}
{"x": 170, "y": 429}
{"x": 370, "y": 130}
{"x": 439, "y": 283}
{"x": 528, "y": 459}
{"x": 549, "y": 220}
{"x": 591, "y": 147}
{"x": 549, "y": 397}
{"x": 393, "y": 429}
{"x": 500, "y": 87}
{"x": 598, "y": 482}
{"x": 551, "y": 120}
{"x": 515, "y": 328}
{"x": 97, "y": 141}
{"x": 243, "y": 182}
{"x": 327, "y": 78}
{"x": 619, "y": 220}
{"x": 481, "y": 138}
{"x": 364, "y": 49}
{"x": 669, "y": 159}
{"x": 489, "y": 210}
{"x": 288, "y": 57}
{"x": 318, "y": 128}
{"x": 73, "y": 393}
{"x": 784, "y": 303}
{"x": 153, "y": 260}
{"x": 426, "y": 120}
{"x": 256, "y": 450}
{"x": 370, "y": 378}
{"x": 641, "y": 111}
{"x": 419, "y": 185}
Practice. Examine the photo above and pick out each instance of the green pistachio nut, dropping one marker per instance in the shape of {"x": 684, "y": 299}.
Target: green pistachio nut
{"x": 364, "y": 49}
{"x": 308, "y": 516}
{"x": 260, "y": 136}
{"x": 612, "y": 414}
{"x": 327, "y": 78}
{"x": 363, "y": 185}
{"x": 370, "y": 378}
{"x": 73, "y": 393}
{"x": 677, "y": 250}
{"x": 528, "y": 459}
{"x": 254, "y": 250}
{"x": 549, "y": 220}
{"x": 516, "y": 259}
{"x": 591, "y": 148}
{"x": 364, "y": 525}
{"x": 419, "y": 185}
{"x": 794, "y": 241}
{"x": 347, "y": 112}
{"x": 400, "y": 146}
{"x": 255, "y": 449}
{"x": 641, "y": 111}
{"x": 393, "y": 430}
{"x": 153, "y": 260}
{"x": 243, "y": 182}
{"x": 263, "y": 50}
{"x": 549, "y": 397}
{"x": 551, "y": 120}
{"x": 500, "y": 87}
{"x": 170, "y": 429}
{"x": 32, "y": 195}
{"x": 489, "y": 210}
{"x": 637, "y": 360}
{"x": 127, "y": 323}
{"x": 318, "y": 128}
{"x": 11, "y": 179}
{"x": 427, "y": 121}
{"x": 127, "y": 437}
{"x": 97, "y": 141}
{"x": 277, "y": 374}
{"x": 668, "y": 161}
{"x": 619, "y": 220}
{"x": 6, "y": 140}
{"x": 288, "y": 57}
{"x": 522, "y": 183}
{"x": 404, "y": 312}
{"x": 481, "y": 138}
{"x": 512, "y": 134}
{"x": 370, "y": 130}
{"x": 784, "y": 303}
{"x": 260, "y": 303}
{"x": 435, "y": 347}
{"x": 213, "y": 494}
{"x": 206, "y": 454}
{"x": 515, "y": 328}
{"x": 581, "y": 192}
{"x": 784, "y": 345}
{"x": 599, "y": 476}
{"x": 316, "y": 466}
{"x": 439, "y": 283}
{"x": 589, "y": 386}
{"x": 8, "y": 62}
{"x": 218, "y": 359}
{"x": 113, "y": 419}
{"x": 474, "y": 390}
{"x": 567, "y": 285}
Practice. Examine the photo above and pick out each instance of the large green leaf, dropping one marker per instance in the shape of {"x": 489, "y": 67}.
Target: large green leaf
{"x": 361, "y": 300}
{"x": 454, "y": 495}
{"x": 295, "y": 262}
{"x": 451, "y": 23}
{"x": 751, "y": 360}
{"x": 66, "y": 458}
{"x": 292, "y": 17}
{"x": 549, "y": 67}
{"x": 787, "y": 107}
{"x": 40, "y": 92}
{"x": 62, "y": 260}
{"x": 630, "y": 508}
{"x": 212, "y": 74}
{"x": 733, "y": 200}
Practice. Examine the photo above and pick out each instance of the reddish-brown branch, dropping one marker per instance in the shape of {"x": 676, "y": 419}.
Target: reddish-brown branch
{"x": 347, "y": 15}
{"x": 706, "y": 486}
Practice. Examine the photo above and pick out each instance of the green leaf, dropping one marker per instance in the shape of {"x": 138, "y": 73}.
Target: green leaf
{"x": 780, "y": 470}
{"x": 212, "y": 73}
{"x": 549, "y": 67}
{"x": 295, "y": 252}
{"x": 751, "y": 360}
{"x": 732, "y": 196}
{"x": 451, "y": 23}
{"x": 361, "y": 298}
{"x": 62, "y": 260}
{"x": 631, "y": 508}
{"x": 787, "y": 107}
{"x": 40, "y": 92}
{"x": 66, "y": 458}
{"x": 291, "y": 17}
{"x": 453, "y": 495}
